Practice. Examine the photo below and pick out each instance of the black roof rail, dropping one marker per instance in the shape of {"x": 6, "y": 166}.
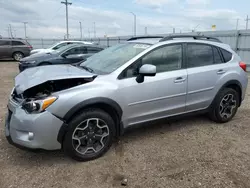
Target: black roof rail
{"x": 144, "y": 37}
{"x": 196, "y": 37}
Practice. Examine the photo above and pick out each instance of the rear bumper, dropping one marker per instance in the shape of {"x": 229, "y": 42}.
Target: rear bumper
{"x": 33, "y": 131}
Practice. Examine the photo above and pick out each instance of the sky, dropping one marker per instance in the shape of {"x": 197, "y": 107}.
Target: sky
{"x": 46, "y": 18}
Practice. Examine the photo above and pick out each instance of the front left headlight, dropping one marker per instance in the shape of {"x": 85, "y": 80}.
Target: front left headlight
{"x": 38, "y": 106}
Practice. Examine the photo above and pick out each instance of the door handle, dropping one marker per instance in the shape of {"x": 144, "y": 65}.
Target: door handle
{"x": 179, "y": 80}
{"x": 221, "y": 71}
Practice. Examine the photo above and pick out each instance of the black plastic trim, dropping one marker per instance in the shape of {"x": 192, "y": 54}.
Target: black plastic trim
{"x": 144, "y": 37}
{"x": 196, "y": 37}
{"x": 90, "y": 102}
{"x": 93, "y": 101}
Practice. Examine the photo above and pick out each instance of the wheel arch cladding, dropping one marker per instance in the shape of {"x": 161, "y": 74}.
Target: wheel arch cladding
{"x": 234, "y": 84}
{"x": 108, "y": 105}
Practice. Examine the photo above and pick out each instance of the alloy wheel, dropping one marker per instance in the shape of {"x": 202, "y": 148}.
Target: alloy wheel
{"x": 227, "y": 106}
{"x": 90, "y": 136}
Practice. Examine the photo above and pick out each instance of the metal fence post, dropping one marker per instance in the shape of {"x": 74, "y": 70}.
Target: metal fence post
{"x": 119, "y": 40}
{"x": 42, "y": 43}
{"x": 237, "y": 41}
{"x": 108, "y": 41}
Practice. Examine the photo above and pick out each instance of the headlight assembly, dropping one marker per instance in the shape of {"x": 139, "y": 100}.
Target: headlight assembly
{"x": 38, "y": 106}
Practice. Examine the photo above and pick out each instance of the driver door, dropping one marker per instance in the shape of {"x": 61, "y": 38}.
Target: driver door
{"x": 157, "y": 97}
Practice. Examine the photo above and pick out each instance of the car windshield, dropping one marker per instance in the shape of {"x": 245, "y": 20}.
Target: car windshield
{"x": 112, "y": 58}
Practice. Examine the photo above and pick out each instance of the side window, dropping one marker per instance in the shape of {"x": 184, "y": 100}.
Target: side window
{"x": 226, "y": 55}
{"x": 82, "y": 50}
{"x": 199, "y": 55}
{"x": 93, "y": 50}
{"x": 167, "y": 58}
{"x": 217, "y": 56}
{"x": 59, "y": 46}
{"x": 17, "y": 43}
{"x": 4, "y": 42}
{"x": 76, "y": 50}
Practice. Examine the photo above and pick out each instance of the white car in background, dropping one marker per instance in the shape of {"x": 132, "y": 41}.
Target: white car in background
{"x": 57, "y": 46}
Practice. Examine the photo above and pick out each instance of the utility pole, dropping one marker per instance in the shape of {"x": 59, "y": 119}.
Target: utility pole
{"x": 134, "y": 23}
{"x": 247, "y": 22}
{"x": 94, "y": 30}
{"x": 237, "y": 24}
{"x": 11, "y": 35}
{"x": 25, "y": 34}
{"x": 173, "y": 30}
{"x": 67, "y": 18}
{"x": 89, "y": 32}
{"x": 81, "y": 29}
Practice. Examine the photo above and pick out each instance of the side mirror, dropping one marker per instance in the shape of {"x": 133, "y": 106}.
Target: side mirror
{"x": 146, "y": 70}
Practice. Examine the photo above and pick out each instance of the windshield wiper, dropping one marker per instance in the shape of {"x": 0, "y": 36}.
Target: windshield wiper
{"x": 87, "y": 69}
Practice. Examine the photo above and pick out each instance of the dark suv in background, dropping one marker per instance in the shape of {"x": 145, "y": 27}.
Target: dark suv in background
{"x": 14, "y": 48}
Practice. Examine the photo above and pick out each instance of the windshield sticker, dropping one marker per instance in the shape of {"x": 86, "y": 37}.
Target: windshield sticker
{"x": 143, "y": 46}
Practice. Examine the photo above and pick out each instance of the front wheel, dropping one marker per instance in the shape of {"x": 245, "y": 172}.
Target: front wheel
{"x": 225, "y": 106}
{"x": 90, "y": 135}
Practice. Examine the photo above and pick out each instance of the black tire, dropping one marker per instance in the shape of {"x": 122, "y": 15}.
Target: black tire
{"x": 17, "y": 56}
{"x": 214, "y": 112}
{"x": 68, "y": 141}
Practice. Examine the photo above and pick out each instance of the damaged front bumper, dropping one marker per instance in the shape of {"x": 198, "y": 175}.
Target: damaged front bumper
{"x": 34, "y": 131}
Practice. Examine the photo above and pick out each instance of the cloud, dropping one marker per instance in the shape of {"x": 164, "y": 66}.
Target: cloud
{"x": 46, "y": 18}
{"x": 155, "y": 4}
{"x": 198, "y": 2}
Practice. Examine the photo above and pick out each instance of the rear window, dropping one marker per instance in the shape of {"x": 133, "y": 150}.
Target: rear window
{"x": 17, "y": 43}
{"x": 4, "y": 42}
{"x": 226, "y": 55}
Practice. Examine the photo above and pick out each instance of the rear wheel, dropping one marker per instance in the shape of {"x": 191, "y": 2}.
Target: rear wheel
{"x": 18, "y": 56}
{"x": 90, "y": 135}
{"x": 225, "y": 106}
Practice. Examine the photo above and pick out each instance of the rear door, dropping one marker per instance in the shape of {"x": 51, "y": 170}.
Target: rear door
{"x": 19, "y": 46}
{"x": 5, "y": 49}
{"x": 205, "y": 66}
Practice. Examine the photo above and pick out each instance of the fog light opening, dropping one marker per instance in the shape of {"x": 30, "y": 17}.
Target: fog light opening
{"x": 31, "y": 136}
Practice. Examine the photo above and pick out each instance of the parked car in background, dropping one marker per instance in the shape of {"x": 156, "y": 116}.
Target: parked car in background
{"x": 14, "y": 48}
{"x": 69, "y": 54}
{"x": 81, "y": 109}
{"x": 58, "y": 46}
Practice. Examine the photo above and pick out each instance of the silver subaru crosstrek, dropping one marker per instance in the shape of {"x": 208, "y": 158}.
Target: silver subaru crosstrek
{"x": 81, "y": 109}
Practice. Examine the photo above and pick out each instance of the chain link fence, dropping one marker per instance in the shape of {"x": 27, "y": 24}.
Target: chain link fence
{"x": 238, "y": 40}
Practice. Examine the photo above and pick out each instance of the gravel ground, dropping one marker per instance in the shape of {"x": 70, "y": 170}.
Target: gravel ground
{"x": 192, "y": 152}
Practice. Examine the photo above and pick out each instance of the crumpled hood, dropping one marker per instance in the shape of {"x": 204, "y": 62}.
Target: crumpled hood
{"x": 38, "y": 75}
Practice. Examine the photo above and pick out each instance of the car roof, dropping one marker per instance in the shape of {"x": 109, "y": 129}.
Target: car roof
{"x": 79, "y": 45}
{"x": 15, "y": 39}
{"x": 74, "y": 41}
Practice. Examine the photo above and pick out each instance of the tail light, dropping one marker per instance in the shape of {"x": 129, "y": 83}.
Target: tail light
{"x": 30, "y": 47}
{"x": 243, "y": 66}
